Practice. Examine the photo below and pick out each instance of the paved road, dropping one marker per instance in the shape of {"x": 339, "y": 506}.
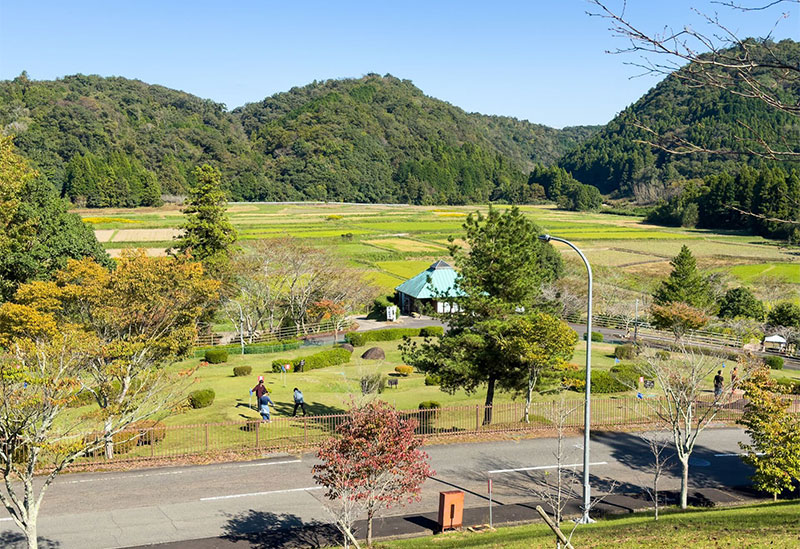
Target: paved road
{"x": 100, "y": 510}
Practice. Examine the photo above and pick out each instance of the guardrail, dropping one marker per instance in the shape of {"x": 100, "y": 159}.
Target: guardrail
{"x": 306, "y": 433}
{"x": 285, "y": 332}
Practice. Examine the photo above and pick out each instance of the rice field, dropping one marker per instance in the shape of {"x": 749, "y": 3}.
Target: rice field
{"x": 395, "y": 242}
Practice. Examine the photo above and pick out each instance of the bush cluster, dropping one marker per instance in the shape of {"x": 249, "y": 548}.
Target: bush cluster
{"x": 404, "y": 370}
{"x": 788, "y": 386}
{"x": 358, "y": 339}
{"x": 241, "y": 371}
{"x": 774, "y": 362}
{"x": 373, "y": 383}
{"x": 201, "y": 398}
{"x": 216, "y": 356}
{"x": 323, "y": 359}
{"x": 150, "y": 431}
{"x": 597, "y": 337}
{"x": 429, "y": 405}
{"x": 433, "y": 379}
{"x": 663, "y": 355}
{"x": 603, "y": 382}
{"x": 253, "y": 349}
{"x": 625, "y": 352}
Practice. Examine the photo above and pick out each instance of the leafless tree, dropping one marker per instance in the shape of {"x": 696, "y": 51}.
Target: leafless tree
{"x": 720, "y": 59}
{"x": 686, "y": 408}
{"x": 657, "y": 443}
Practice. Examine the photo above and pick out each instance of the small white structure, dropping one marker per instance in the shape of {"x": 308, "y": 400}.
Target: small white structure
{"x": 775, "y": 343}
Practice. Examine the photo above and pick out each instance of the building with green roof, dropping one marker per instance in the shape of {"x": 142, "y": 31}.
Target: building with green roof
{"x": 437, "y": 287}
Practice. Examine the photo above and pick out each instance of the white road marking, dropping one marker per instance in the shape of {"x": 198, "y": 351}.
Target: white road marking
{"x": 4, "y": 519}
{"x": 736, "y": 455}
{"x": 270, "y": 463}
{"x": 232, "y": 496}
{"x": 539, "y": 468}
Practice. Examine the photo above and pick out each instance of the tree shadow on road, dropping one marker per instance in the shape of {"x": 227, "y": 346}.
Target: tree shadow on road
{"x": 265, "y": 530}
{"x": 15, "y": 540}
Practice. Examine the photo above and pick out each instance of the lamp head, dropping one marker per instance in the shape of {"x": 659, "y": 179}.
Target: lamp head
{"x": 544, "y": 237}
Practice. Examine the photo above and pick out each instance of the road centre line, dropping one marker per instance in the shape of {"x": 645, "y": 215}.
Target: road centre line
{"x": 232, "y": 496}
{"x": 539, "y": 468}
{"x": 270, "y": 463}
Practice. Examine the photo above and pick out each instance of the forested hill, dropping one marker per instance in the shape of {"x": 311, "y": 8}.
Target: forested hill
{"x": 705, "y": 116}
{"x": 120, "y": 142}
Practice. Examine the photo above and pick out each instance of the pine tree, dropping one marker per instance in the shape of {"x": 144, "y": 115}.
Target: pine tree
{"x": 207, "y": 233}
{"x": 685, "y": 284}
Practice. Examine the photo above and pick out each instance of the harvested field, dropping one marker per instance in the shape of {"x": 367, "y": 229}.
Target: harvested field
{"x": 104, "y": 235}
{"x": 145, "y": 235}
{"x": 405, "y": 244}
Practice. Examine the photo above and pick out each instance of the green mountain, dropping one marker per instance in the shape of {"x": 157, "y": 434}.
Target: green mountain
{"x": 120, "y": 142}
{"x": 677, "y": 112}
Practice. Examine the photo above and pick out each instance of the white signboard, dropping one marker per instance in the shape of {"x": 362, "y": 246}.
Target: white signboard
{"x": 391, "y": 313}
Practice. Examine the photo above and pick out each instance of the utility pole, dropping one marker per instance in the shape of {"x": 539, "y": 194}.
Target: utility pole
{"x": 636, "y": 322}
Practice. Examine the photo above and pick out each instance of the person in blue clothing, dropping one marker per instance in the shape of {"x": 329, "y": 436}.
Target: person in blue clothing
{"x": 263, "y": 408}
{"x": 298, "y": 401}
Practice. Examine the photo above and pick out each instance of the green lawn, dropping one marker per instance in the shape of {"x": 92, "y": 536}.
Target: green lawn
{"x": 768, "y": 525}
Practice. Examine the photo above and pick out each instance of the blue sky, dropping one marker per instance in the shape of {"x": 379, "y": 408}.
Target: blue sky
{"x": 541, "y": 60}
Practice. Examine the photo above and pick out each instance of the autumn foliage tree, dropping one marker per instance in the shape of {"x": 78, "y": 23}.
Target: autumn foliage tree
{"x": 677, "y": 317}
{"x": 774, "y": 450}
{"x": 373, "y": 462}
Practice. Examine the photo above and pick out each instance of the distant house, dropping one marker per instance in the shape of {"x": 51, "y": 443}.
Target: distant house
{"x": 434, "y": 287}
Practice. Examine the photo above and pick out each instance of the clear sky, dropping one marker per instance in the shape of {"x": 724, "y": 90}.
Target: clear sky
{"x": 541, "y": 60}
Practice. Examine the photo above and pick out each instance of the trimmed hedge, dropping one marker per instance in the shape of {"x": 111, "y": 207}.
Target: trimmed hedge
{"x": 404, "y": 370}
{"x": 625, "y": 352}
{"x": 431, "y": 331}
{"x": 241, "y": 371}
{"x": 202, "y": 398}
{"x": 216, "y": 356}
{"x": 663, "y": 355}
{"x": 774, "y": 362}
{"x": 432, "y": 379}
{"x": 253, "y": 349}
{"x": 597, "y": 337}
{"x": 429, "y": 405}
{"x": 323, "y": 359}
{"x": 603, "y": 382}
{"x": 788, "y": 386}
{"x": 359, "y": 339}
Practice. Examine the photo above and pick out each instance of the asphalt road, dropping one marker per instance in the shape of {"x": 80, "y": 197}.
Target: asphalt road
{"x": 101, "y": 510}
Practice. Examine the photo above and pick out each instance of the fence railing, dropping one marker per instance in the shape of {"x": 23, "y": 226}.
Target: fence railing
{"x": 645, "y": 329}
{"x": 304, "y": 433}
{"x": 284, "y": 332}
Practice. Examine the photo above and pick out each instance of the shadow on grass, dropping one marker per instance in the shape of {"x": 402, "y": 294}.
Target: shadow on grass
{"x": 263, "y": 530}
{"x": 312, "y": 408}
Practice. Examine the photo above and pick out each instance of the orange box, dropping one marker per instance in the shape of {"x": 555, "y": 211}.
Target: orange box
{"x": 451, "y": 509}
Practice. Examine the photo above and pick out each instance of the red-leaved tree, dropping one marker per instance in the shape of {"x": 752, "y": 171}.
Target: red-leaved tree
{"x": 373, "y": 462}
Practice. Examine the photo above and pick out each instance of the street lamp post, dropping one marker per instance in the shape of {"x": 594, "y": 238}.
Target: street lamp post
{"x": 585, "y": 519}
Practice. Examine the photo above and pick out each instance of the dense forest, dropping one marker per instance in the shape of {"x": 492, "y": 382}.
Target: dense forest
{"x": 119, "y": 142}
{"x": 675, "y": 112}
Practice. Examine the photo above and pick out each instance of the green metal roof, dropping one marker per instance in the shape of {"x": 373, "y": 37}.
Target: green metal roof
{"x": 442, "y": 283}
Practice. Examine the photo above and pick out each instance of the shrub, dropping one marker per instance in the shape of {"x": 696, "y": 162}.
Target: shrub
{"x": 373, "y": 383}
{"x": 201, "y": 398}
{"x": 123, "y": 443}
{"x": 662, "y": 355}
{"x": 625, "y": 352}
{"x": 774, "y": 362}
{"x": 241, "y": 371}
{"x": 323, "y": 359}
{"x": 626, "y": 374}
{"x": 429, "y": 405}
{"x": 597, "y": 337}
{"x": 788, "y": 386}
{"x": 432, "y": 379}
{"x": 404, "y": 370}
{"x": 431, "y": 331}
{"x": 216, "y": 356}
{"x": 150, "y": 431}
{"x": 602, "y": 382}
{"x": 357, "y": 339}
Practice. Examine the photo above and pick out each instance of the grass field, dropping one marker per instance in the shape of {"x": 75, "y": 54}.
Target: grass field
{"x": 768, "y": 525}
{"x": 397, "y": 241}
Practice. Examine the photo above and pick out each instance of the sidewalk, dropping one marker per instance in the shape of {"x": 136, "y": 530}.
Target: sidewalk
{"x": 269, "y": 530}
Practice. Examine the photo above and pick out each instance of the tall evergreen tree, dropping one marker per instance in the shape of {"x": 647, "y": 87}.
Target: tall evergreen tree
{"x": 207, "y": 233}
{"x": 684, "y": 284}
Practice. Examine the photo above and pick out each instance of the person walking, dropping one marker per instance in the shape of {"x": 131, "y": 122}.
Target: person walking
{"x": 719, "y": 382}
{"x": 263, "y": 409}
{"x": 734, "y": 378}
{"x": 259, "y": 390}
{"x": 298, "y": 401}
